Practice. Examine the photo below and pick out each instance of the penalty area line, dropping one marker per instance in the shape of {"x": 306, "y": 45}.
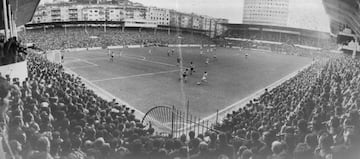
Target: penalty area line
{"x": 143, "y": 58}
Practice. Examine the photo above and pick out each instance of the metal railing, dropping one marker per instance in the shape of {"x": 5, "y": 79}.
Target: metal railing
{"x": 174, "y": 122}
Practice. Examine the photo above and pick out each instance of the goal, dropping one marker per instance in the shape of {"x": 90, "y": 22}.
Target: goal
{"x": 54, "y": 56}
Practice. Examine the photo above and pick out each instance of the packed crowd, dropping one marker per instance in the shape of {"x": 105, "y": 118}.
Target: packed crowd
{"x": 313, "y": 115}
{"x": 80, "y": 37}
{"x": 52, "y": 114}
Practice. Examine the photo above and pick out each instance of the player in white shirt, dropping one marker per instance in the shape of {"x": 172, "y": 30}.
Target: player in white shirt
{"x": 178, "y": 60}
{"x": 172, "y": 51}
{"x": 207, "y": 61}
{"x": 150, "y": 51}
{"x": 120, "y": 53}
{"x": 203, "y": 79}
{"x": 109, "y": 52}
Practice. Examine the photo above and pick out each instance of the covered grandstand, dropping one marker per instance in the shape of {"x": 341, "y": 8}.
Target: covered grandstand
{"x": 279, "y": 35}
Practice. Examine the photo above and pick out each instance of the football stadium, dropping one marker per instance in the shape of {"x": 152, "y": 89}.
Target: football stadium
{"x": 120, "y": 79}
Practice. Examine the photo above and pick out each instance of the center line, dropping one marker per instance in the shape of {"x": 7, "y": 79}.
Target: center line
{"x": 131, "y": 76}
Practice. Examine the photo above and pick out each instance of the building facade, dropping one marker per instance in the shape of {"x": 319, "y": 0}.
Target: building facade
{"x": 266, "y": 12}
{"x": 132, "y": 14}
{"x": 174, "y": 18}
{"x": 94, "y": 13}
{"x": 114, "y": 14}
{"x": 160, "y": 15}
{"x": 196, "y": 21}
{"x": 135, "y": 12}
{"x": 219, "y": 27}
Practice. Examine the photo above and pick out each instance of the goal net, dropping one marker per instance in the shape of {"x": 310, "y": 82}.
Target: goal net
{"x": 54, "y": 56}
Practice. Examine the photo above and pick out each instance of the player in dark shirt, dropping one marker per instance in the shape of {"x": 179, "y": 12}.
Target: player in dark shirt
{"x": 178, "y": 60}
{"x": 192, "y": 68}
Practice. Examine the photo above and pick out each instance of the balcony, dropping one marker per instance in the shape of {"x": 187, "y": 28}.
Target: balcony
{"x": 73, "y": 10}
{"x": 55, "y": 15}
{"x": 73, "y": 15}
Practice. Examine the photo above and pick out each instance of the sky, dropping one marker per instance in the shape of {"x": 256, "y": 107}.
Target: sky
{"x": 307, "y": 14}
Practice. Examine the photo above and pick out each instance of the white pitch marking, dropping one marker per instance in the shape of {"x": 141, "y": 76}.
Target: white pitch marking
{"x": 88, "y": 62}
{"x": 134, "y": 57}
{"x": 70, "y": 61}
{"x": 161, "y": 63}
{"x": 143, "y": 58}
{"x": 131, "y": 76}
{"x": 81, "y": 67}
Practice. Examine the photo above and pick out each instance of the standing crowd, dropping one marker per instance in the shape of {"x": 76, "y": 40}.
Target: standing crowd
{"x": 81, "y": 37}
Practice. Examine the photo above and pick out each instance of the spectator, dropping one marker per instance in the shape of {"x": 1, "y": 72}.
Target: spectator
{"x": 76, "y": 152}
{"x": 4, "y": 101}
{"x": 43, "y": 149}
{"x": 204, "y": 152}
{"x": 224, "y": 149}
{"x": 303, "y": 151}
{"x": 16, "y": 149}
{"x": 278, "y": 150}
{"x": 265, "y": 150}
{"x": 324, "y": 149}
{"x": 255, "y": 144}
{"x": 247, "y": 154}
